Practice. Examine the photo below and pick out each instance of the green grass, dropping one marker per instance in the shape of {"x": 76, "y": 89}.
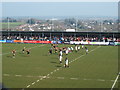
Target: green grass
{"x": 11, "y": 25}
{"x": 95, "y": 70}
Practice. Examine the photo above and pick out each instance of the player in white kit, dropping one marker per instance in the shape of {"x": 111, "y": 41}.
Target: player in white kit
{"x": 66, "y": 51}
{"x": 61, "y": 52}
{"x": 82, "y": 46}
{"x": 76, "y": 48}
{"x": 60, "y": 58}
{"x": 66, "y": 62}
{"x": 72, "y": 49}
{"x": 86, "y": 50}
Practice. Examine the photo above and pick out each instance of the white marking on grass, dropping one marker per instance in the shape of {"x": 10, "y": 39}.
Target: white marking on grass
{"x": 85, "y": 54}
{"x": 87, "y": 79}
{"x": 48, "y": 74}
{"x": 44, "y": 76}
{"x": 51, "y": 73}
{"x": 6, "y": 74}
{"x": 72, "y": 60}
{"x": 112, "y": 80}
{"x": 100, "y": 80}
{"x": 29, "y": 76}
{"x": 84, "y": 79}
{"x": 28, "y": 86}
{"x": 48, "y": 77}
{"x": 74, "y": 78}
{"x": 20, "y": 50}
{"x": 33, "y": 83}
{"x": 40, "y": 76}
{"x": 115, "y": 81}
{"x": 6, "y": 53}
{"x": 41, "y": 79}
{"x": 26, "y": 76}
{"x": 60, "y": 77}
{"x": 18, "y": 75}
{"x": 37, "y": 80}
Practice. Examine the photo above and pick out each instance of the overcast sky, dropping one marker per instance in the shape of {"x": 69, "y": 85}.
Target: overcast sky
{"x": 60, "y": 8}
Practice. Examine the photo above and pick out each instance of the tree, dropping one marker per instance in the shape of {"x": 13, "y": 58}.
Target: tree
{"x": 31, "y": 21}
{"x": 8, "y": 19}
{"x": 70, "y": 21}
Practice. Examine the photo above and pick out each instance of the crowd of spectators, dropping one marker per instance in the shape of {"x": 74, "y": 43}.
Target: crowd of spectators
{"x": 63, "y": 39}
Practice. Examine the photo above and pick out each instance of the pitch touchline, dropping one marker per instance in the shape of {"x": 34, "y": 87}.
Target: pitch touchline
{"x": 20, "y": 50}
{"x": 115, "y": 81}
{"x": 56, "y": 70}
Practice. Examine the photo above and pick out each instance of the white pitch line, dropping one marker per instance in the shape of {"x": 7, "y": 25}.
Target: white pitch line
{"x": 48, "y": 74}
{"x": 84, "y": 79}
{"x": 60, "y": 77}
{"x": 33, "y": 83}
{"x": 51, "y": 73}
{"x": 115, "y": 81}
{"x": 37, "y": 80}
{"x": 18, "y": 75}
{"x": 72, "y": 60}
{"x": 84, "y": 54}
{"x": 6, "y": 74}
{"x": 29, "y": 76}
{"x": 20, "y": 50}
{"x": 87, "y": 79}
{"x": 28, "y": 86}
{"x": 41, "y": 79}
{"x": 38, "y": 76}
{"x": 74, "y": 78}
{"x": 23, "y": 75}
{"x": 112, "y": 80}
{"x": 100, "y": 80}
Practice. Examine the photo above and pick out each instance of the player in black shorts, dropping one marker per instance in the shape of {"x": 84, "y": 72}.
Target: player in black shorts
{"x": 50, "y": 51}
{"x": 86, "y": 50}
{"x": 54, "y": 46}
{"x": 13, "y": 52}
{"x": 28, "y": 52}
{"x": 23, "y": 50}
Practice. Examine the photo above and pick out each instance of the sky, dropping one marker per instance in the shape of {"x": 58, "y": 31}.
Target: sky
{"x": 60, "y": 9}
{"x": 60, "y": 0}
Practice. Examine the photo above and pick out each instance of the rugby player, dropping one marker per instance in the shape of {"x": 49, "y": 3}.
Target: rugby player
{"x": 66, "y": 62}
{"x": 13, "y": 52}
